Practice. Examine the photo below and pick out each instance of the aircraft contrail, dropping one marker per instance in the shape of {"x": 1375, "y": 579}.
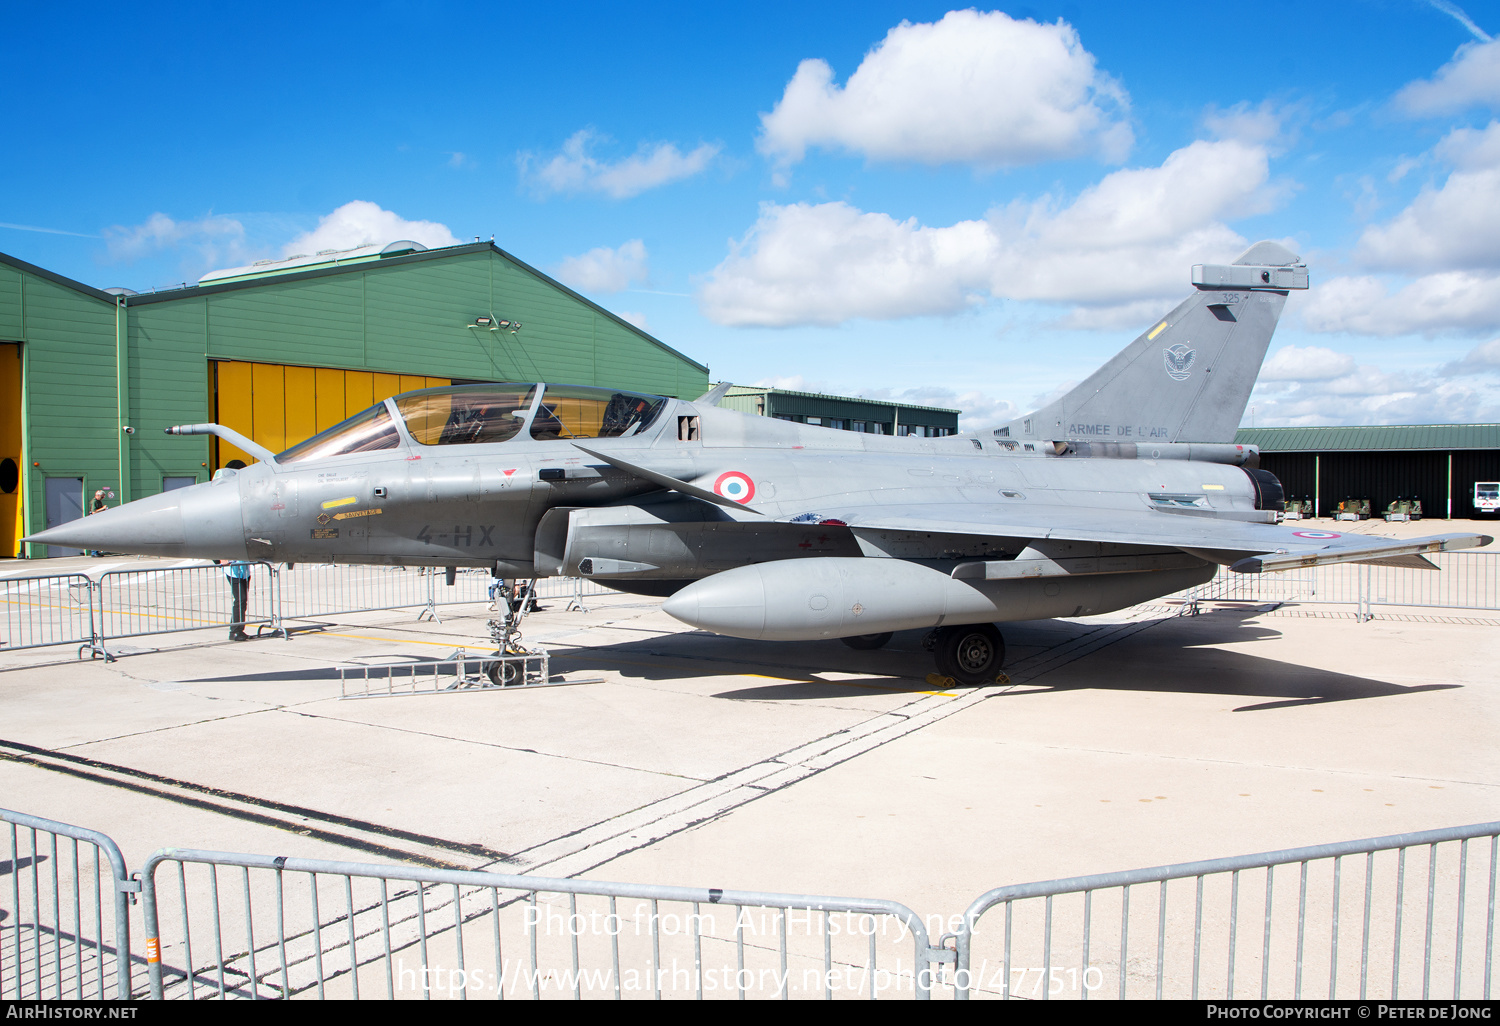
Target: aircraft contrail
{"x": 49, "y": 231}
{"x": 1458, "y": 15}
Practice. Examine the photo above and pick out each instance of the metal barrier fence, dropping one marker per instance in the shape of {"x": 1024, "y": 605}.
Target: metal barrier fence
{"x": 309, "y": 591}
{"x": 252, "y": 926}
{"x": 73, "y": 609}
{"x": 312, "y": 590}
{"x": 1464, "y": 580}
{"x": 76, "y": 609}
{"x": 165, "y": 600}
{"x": 283, "y": 927}
{"x": 1197, "y": 947}
{"x": 46, "y": 609}
{"x": 57, "y": 939}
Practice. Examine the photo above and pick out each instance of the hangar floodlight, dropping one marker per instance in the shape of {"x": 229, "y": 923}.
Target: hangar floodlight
{"x": 492, "y": 323}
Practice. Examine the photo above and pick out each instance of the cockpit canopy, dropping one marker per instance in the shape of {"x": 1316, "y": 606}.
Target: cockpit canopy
{"x": 486, "y": 414}
{"x": 369, "y": 431}
{"x": 577, "y": 411}
{"x": 466, "y": 414}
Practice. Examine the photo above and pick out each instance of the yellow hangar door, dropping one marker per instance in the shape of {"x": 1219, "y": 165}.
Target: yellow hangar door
{"x": 11, "y": 464}
{"x": 279, "y": 406}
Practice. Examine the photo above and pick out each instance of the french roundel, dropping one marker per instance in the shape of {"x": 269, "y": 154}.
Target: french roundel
{"x": 1316, "y": 534}
{"x": 736, "y": 486}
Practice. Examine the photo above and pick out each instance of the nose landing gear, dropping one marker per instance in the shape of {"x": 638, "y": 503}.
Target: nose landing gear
{"x": 511, "y": 660}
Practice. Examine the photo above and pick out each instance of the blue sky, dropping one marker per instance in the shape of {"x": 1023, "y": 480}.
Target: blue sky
{"x": 967, "y": 207}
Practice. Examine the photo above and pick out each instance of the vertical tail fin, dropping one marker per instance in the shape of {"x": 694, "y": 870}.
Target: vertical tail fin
{"x": 1188, "y": 377}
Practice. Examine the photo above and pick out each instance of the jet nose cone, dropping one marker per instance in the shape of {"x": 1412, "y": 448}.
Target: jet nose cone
{"x": 201, "y": 520}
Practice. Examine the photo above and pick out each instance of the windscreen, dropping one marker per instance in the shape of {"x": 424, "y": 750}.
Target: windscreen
{"x": 364, "y": 432}
{"x": 574, "y": 411}
{"x": 466, "y": 415}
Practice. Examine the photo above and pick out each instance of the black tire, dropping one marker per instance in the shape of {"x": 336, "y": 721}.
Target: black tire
{"x": 503, "y": 674}
{"x": 970, "y": 654}
{"x": 867, "y": 642}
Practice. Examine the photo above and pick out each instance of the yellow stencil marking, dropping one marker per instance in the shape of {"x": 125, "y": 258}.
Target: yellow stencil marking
{"x": 1213, "y": 488}
{"x": 1156, "y": 331}
{"x": 347, "y": 500}
{"x": 358, "y": 513}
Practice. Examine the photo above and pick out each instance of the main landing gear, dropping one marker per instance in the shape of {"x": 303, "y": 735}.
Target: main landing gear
{"x": 970, "y": 654}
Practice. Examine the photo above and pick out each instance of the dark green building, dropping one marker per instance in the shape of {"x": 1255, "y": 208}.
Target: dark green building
{"x": 281, "y": 350}
{"x": 1438, "y": 464}
{"x": 843, "y": 412}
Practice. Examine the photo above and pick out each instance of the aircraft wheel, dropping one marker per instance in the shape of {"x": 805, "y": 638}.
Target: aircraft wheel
{"x": 503, "y": 674}
{"x": 866, "y": 642}
{"x": 971, "y": 654}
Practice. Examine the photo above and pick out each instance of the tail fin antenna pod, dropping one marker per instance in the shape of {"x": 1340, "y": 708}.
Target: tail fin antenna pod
{"x": 1188, "y": 377}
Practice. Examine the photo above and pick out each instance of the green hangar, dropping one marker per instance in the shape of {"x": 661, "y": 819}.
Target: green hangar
{"x": 278, "y": 351}
{"x": 1439, "y": 465}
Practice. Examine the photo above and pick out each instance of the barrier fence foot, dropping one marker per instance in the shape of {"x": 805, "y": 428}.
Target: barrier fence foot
{"x": 576, "y": 602}
{"x": 96, "y": 650}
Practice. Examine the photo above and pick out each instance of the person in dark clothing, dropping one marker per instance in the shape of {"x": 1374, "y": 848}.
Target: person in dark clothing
{"x": 238, "y": 574}
{"x": 96, "y": 506}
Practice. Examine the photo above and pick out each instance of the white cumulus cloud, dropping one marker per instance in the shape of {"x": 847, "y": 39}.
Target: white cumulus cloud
{"x": 1442, "y": 252}
{"x": 792, "y": 383}
{"x": 1137, "y": 231}
{"x": 1369, "y": 395}
{"x": 1482, "y": 359}
{"x": 1130, "y": 237}
{"x": 575, "y": 169}
{"x": 1312, "y": 385}
{"x": 1470, "y": 79}
{"x": 976, "y": 87}
{"x": 1456, "y": 225}
{"x": 1306, "y": 363}
{"x": 978, "y": 411}
{"x": 362, "y": 223}
{"x": 211, "y": 239}
{"x": 830, "y": 262}
{"x": 1461, "y": 301}
{"x": 606, "y": 270}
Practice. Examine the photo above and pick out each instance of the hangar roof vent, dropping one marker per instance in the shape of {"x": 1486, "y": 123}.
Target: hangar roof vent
{"x": 402, "y": 246}
{"x": 303, "y": 262}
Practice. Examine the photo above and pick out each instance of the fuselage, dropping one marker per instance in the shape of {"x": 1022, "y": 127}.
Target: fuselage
{"x": 412, "y": 482}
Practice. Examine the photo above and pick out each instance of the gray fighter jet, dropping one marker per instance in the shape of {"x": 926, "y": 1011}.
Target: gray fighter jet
{"x": 1126, "y": 489}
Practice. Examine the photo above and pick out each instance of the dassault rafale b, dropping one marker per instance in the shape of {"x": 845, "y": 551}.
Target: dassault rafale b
{"x": 1127, "y": 488}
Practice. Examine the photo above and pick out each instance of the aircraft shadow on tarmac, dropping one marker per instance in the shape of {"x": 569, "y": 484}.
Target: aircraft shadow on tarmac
{"x": 1172, "y": 655}
{"x": 1175, "y": 656}
{"x": 399, "y": 661}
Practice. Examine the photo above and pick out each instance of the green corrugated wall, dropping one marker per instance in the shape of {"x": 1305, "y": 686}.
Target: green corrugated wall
{"x": 69, "y": 381}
